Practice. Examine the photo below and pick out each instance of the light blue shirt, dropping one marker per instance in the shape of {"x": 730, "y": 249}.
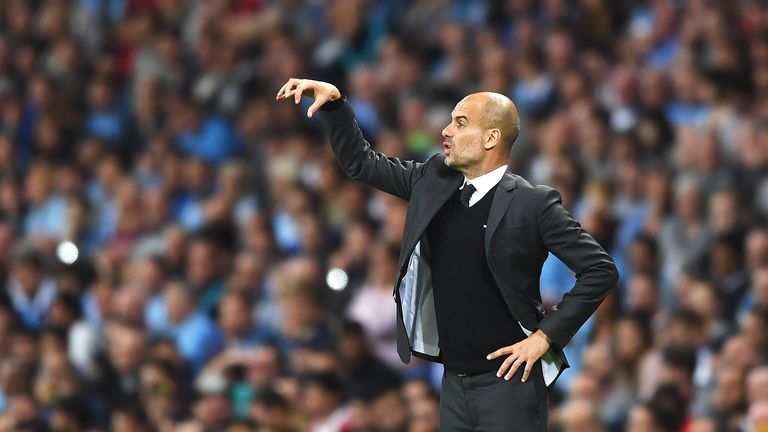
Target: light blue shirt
{"x": 49, "y": 218}
{"x": 197, "y": 339}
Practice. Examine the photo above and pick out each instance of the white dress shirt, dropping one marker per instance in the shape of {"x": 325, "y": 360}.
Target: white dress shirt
{"x": 550, "y": 364}
{"x": 484, "y": 183}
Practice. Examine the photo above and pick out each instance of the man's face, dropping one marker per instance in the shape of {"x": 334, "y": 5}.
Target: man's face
{"x": 28, "y": 277}
{"x": 318, "y": 402}
{"x": 125, "y": 348}
{"x": 462, "y": 138}
{"x": 234, "y": 316}
{"x": 201, "y": 264}
{"x": 177, "y": 302}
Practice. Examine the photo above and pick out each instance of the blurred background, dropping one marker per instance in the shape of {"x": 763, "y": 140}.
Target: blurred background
{"x": 181, "y": 253}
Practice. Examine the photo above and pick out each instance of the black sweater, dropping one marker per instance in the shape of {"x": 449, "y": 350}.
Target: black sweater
{"x": 472, "y": 317}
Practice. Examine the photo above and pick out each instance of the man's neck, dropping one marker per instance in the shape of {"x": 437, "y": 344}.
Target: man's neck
{"x": 472, "y": 174}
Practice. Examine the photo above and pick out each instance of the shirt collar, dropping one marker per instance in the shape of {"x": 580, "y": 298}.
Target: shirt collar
{"x": 487, "y": 181}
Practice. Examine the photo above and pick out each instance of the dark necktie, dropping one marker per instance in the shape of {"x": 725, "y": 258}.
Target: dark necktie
{"x": 466, "y": 194}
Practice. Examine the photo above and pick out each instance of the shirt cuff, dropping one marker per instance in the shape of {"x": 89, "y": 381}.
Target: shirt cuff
{"x": 334, "y": 104}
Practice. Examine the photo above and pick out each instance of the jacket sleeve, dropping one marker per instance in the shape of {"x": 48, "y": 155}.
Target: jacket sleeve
{"x": 357, "y": 158}
{"x": 595, "y": 271}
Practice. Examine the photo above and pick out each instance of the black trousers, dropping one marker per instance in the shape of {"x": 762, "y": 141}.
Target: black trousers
{"x": 490, "y": 404}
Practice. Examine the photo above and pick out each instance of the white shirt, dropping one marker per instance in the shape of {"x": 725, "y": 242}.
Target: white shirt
{"x": 33, "y": 310}
{"x": 550, "y": 364}
{"x": 484, "y": 183}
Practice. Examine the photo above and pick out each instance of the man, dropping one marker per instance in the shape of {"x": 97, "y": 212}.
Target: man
{"x": 475, "y": 238}
{"x": 30, "y": 289}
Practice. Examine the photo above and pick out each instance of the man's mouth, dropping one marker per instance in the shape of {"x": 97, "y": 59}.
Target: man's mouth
{"x": 446, "y": 146}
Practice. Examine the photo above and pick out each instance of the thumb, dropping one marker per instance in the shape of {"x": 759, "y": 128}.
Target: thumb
{"x": 315, "y": 105}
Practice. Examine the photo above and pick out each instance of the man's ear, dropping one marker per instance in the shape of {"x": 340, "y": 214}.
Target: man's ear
{"x": 491, "y": 139}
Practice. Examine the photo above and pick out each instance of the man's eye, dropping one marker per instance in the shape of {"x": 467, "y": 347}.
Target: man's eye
{"x": 461, "y": 125}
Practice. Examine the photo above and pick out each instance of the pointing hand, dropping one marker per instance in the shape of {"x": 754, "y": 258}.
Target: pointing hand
{"x": 321, "y": 92}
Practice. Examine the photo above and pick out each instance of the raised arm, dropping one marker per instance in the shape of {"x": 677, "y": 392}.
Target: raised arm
{"x": 354, "y": 153}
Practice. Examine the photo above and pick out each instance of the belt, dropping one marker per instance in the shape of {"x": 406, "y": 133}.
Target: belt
{"x": 466, "y": 374}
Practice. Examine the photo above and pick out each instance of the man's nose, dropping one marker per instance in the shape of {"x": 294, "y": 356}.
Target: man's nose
{"x": 445, "y": 132}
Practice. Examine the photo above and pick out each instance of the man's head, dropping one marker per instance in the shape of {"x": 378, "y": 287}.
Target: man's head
{"x": 29, "y": 270}
{"x": 129, "y": 418}
{"x": 125, "y": 346}
{"x": 235, "y": 318}
{"x": 322, "y": 394}
{"x": 757, "y": 248}
{"x": 179, "y": 301}
{"x": 757, "y": 384}
{"x": 388, "y": 411}
{"x": 69, "y": 414}
{"x": 730, "y": 393}
{"x": 677, "y": 366}
{"x": 202, "y": 262}
{"x": 482, "y": 129}
{"x": 642, "y": 419}
{"x": 424, "y": 414}
{"x": 580, "y": 415}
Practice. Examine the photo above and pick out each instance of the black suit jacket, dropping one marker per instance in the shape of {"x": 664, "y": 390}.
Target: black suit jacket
{"x": 524, "y": 224}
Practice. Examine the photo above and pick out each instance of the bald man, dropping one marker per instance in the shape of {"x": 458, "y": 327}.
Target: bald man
{"x": 475, "y": 238}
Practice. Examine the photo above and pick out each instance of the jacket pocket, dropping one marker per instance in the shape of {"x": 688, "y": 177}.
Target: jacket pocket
{"x": 513, "y": 231}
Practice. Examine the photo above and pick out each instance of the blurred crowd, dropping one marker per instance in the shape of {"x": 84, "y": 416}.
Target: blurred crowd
{"x": 180, "y": 252}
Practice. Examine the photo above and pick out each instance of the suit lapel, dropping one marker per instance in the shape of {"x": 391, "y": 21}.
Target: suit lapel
{"x": 501, "y": 200}
{"x": 429, "y": 207}
{"x": 422, "y": 210}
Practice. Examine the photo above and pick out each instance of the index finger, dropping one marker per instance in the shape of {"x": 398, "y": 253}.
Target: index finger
{"x": 283, "y": 92}
{"x": 282, "y": 89}
{"x": 500, "y": 352}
